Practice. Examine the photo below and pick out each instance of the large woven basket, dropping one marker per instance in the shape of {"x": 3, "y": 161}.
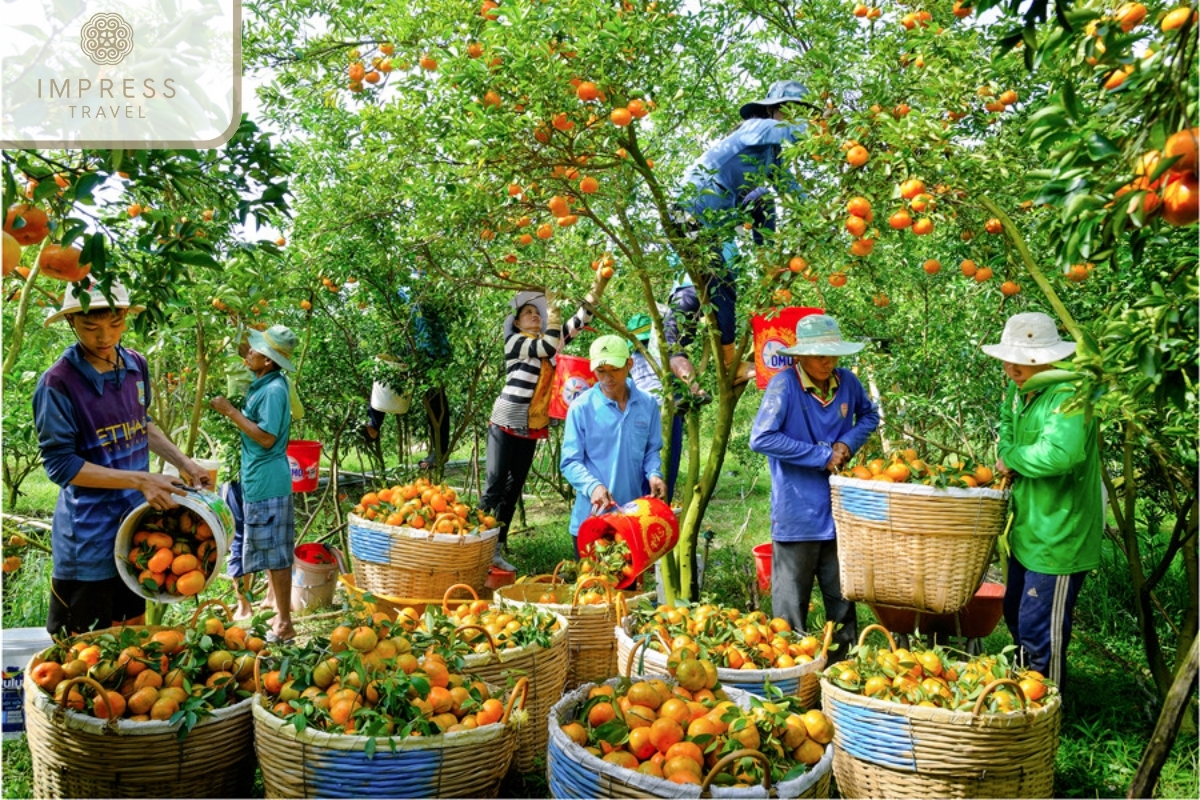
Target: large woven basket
{"x": 574, "y": 772}
{"x": 407, "y": 562}
{"x": 546, "y": 669}
{"x": 78, "y": 755}
{"x": 802, "y": 680}
{"x": 887, "y": 749}
{"x": 312, "y": 763}
{"x": 591, "y": 644}
{"x": 914, "y": 546}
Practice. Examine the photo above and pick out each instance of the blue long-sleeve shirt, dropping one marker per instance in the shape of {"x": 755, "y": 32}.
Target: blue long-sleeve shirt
{"x": 84, "y": 416}
{"x": 734, "y": 170}
{"x": 797, "y": 433}
{"x": 604, "y": 446}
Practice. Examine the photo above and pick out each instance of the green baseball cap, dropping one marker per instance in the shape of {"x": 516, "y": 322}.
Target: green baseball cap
{"x": 609, "y": 350}
{"x": 640, "y": 325}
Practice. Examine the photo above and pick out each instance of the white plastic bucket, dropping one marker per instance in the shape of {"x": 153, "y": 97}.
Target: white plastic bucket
{"x": 19, "y": 646}
{"x": 313, "y": 584}
{"x": 384, "y": 399}
{"x": 211, "y": 465}
{"x": 209, "y": 506}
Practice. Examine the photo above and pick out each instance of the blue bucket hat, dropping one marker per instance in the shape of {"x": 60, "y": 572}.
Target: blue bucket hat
{"x": 780, "y": 92}
{"x": 819, "y": 335}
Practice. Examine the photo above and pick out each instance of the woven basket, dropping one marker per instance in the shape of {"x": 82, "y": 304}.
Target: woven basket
{"x": 802, "y": 680}
{"x": 391, "y": 605}
{"x": 914, "y": 546}
{"x": 312, "y": 763}
{"x": 407, "y": 562}
{"x": 591, "y": 645}
{"x": 77, "y": 755}
{"x": 546, "y": 669}
{"x": 887, "y": 749}
{"x": 574, "y": 772}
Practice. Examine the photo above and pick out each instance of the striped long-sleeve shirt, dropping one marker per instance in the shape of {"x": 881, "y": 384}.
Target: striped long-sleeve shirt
{"x": 524, "y": 355}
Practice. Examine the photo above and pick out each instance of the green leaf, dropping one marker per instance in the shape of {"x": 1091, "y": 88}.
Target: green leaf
{"x": 1051, "y": 377}
{"x": 1100, "y": 147}
{"x": 195, "y": 258}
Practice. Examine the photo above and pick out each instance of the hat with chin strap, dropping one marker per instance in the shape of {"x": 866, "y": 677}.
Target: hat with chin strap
{"x": 97, "y": 300}
{"x": 780, "y": 92}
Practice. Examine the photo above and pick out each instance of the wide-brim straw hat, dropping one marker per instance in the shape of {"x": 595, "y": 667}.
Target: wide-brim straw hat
{"x": 537, "y": 299}
{"x": 276, "y": 343}
{"x": 820, "y": 335}
{"x": 780, "y": 92}
{"x": 1031, "y": 339}
{"x": 96, "y": 300}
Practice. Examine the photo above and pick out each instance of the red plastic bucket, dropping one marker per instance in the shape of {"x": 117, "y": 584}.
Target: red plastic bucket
{"x": 498, "y": 578}
{"x": 647, "y": 525}
{"x": 762, "y": 565}
{"x": 304, "y": 458}
{"x": 572, "y": 377}
{"x": 772, "y": 333}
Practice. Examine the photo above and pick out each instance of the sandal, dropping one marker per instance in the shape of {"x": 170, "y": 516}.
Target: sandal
{"x": 427, "y": 463}
{"x": 275, "y": 638}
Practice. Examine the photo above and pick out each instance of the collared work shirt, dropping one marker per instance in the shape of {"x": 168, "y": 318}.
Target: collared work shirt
{"x": 603, "y": 445}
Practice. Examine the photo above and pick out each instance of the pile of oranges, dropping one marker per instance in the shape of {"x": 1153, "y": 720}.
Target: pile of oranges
{"x": 729, "y": 637}
{"x": 927, "y": 677}
{"x": 904, "y": 466}
{"x": 508, "y": 627}
{"x": 166, "y": 674}
{"x": 423, "y": 505}
{"x": 173, "y": 551}
{"x": 610, "y": 562}
{"x": 366, "y": 679}
{"x": 669, "y": 731}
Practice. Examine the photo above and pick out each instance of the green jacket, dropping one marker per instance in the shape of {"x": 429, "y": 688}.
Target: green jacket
{"x": 1057, "y": 505}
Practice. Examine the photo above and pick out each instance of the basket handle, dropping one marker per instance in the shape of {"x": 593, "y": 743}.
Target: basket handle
{"x": 91, "y": 683}
{"x": 588, "y": 581}
{"x": 554, "y": 575}
{"x": 545, "y": 577}
{"x": 729, "y": 759}
{"x": 862, "y": 637}
{"x": 446, "y": 596}
{"x": 991, "y": 687}
{"x": 213, "y": 602}
{"x": 521, "y": 688}
{"x": 638, "y": 644}
{"x": 491, "y": 642}
{"x": 621, "y": 608}
{"x": 258, "y": 670}
{"x": 828, "y": 639}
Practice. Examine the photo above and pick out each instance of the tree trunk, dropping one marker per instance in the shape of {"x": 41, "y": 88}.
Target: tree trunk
{"x": 1179, "y": 698}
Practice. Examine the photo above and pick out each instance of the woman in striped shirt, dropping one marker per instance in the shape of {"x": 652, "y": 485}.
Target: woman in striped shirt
{"x": 520, "y": 416}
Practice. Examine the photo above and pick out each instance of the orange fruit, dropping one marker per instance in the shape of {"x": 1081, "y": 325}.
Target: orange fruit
{"x": 12, "y": 253}
{"x": 665, "y": 732}
{"x": 857, "y": 155}
{"x": 968, "y": 267}
{"x": 1009, "y": 288}
{"x": 856, "y": 226}
{"x": 640, "y": 744}
{"x": 621, "y": 117}
{"x": 1175, "y": 18}
{"x": 900, "y": 220}
{"x": 578, "y": 734}
{"x": 35, "y": 227}
{"x": 62, "y": 263}
{"x": 932, "y": 266}
{"x": 190, "y": 583}
{"x": 858, "y": 207}
{"x": 922, "y": 226}
{"x": 911, "y": 188}
{"x": 600, "y": 714}
{"x": 1179, "y": 201}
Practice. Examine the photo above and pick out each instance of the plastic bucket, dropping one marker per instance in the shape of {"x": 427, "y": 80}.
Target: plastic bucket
{"x": 210, "y": 465}
{"x": 19, "y": 648}
{"x": 762, "y": 565}
{"x": 647, "y": 525}
{"x": 314, "y": 576}
{"x": 304, "y": 458}
{"x": 210, "y": 508}
{"x": 383, "y": 398}
{"x": 572, "y": 377}
{"x": 772, "y": 333}
{"x": 496, "y": 577}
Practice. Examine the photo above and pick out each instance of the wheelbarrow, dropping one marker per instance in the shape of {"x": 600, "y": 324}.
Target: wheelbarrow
{"x": 973, "y": 622}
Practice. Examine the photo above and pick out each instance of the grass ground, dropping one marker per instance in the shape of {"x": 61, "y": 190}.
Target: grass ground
{"x": 1108, "y": 715}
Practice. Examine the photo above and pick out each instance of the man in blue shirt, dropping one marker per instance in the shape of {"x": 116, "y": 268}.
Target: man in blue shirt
{"x": 267, "y": 508}
{"x": 91, "y": 412}
{"x": 726, "y": 187}
{"x": 813, "y": 418}
{"x": 613, "y": 437}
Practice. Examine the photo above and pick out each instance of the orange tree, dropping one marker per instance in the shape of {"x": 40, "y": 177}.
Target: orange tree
{"x": 456, "y": 126}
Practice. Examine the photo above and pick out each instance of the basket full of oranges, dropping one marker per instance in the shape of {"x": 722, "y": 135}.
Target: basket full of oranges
{"x": 979, "y": 727}
{"x": 145, "y": 711}
{"x": 590, "y": 604}
{"x": 419, "y": 539}
{"x": 913, "y": 535}
{"x": 749, "y": 650}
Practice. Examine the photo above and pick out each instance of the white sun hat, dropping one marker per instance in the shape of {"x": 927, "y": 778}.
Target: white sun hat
{"x": 536, "y": 299}
{"x": 96, "y": 300}
{"x": 1030, "y": 339}
{"x": 819, "y": 335}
